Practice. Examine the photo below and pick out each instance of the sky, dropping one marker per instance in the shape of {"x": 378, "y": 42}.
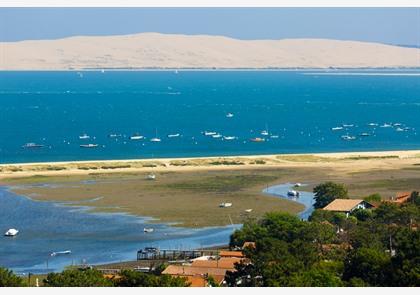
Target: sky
{"x": 384, "y": 25}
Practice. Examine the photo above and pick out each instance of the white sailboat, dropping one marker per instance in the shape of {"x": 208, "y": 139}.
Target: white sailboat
{"x": 156, "y": 138}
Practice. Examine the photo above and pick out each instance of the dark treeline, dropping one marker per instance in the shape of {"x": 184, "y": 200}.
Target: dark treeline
{"x": 371, "y": 247}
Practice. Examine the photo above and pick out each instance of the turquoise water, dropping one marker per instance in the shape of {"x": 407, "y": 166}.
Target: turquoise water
{"x": 298, "y": 108}
{"x": 92, "y": 238}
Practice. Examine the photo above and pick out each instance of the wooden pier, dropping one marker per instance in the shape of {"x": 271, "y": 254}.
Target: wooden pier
{"x": 157, "y": 254}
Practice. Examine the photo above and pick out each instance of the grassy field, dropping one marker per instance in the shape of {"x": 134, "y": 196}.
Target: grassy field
{"x": 189, "y": 199}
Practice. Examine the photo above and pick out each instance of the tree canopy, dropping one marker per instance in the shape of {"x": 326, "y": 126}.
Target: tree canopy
{"x": 327, "y": 192}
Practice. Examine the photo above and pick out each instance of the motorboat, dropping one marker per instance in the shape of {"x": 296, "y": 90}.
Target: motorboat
{"x": 257, "y": 139}
{"x": 348, "y": 125}
{"x": 209, "y": 133}
{"x": 66, "y": 252}
{"x": 216, "y": 135}
{"x": 348, "y": 137}
{"x": 248, "y": 210}
{"x": 151, "y": 176}
{"x": 156, "y": 138}
{"x": 11, "y": 232}
{"x": 174, "y": 135}
{"x": 84, "y": 136}
{"x": 399, "y": 129}
{"x": 229, "y": 137}
{"x": 136, "y": 136}
{"x": 293, "y": 193}
{"x": 274, "y": 136}
{"x": 264, "y": 132}
{"x": 385, "y": 125}
{"x": 148, "y": 230}
{"x": 225, "y": 205}
{"x": 364, "y": 134}
{"x": 229, "y": 115}
{"x": 337, "y": 128}
{"x": 31, "y": 145}
{"x": 114, "y": 135}
{"x": 89, "y": 146}
{"x": 373, "y": 124}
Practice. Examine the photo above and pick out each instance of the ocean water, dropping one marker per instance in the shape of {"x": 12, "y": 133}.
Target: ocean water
{"x": 298, "y": 109}
{"x": 92, "y": 238}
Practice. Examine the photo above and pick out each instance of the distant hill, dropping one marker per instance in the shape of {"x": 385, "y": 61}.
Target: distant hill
{"x": 153, "y": 50}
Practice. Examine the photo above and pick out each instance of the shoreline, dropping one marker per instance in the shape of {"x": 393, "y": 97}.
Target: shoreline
{"x": 210, "y": 69}
{"x": 63, "y": 168}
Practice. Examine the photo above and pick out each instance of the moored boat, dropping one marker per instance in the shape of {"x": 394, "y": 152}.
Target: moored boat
{"x": 84, "y": 136}
{"x": 89, "y": 146}
{"x": 31, "y": 145}
{"x": 136, "y": 136}
{"x": 66, "y": 252}
{"x": 257, "y": 139}
{"x": 11, "y": 232}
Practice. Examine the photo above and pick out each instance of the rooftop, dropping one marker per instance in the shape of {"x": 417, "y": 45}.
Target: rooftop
{"x": 343, "y": 205}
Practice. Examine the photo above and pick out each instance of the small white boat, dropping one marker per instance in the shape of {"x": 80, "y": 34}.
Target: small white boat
{"x": 397, "y": 124}
{"x": 225, "y": 205}
{"x": 348, "y": 137}
{"x": 229, "y": 115}
{"x": 248, "y": 210}
{"x": 155, "y": 139}
{"x": 136, "y": 136}
{"x": 84, "y": 136}
{"x": 174, "y": 135}
{"x": 264, "y": 132}
{"x": 373, "y": 124}
{"x": 274, "y": 136}
{"x": 257, "y": 139}
{"x": 386, "y": 125}
{"x": 11, "y": 232}
{"x": 399, "y": 129}
{"x": 348, "y": 125}
{"x": 364, "y": 134}
{"x": 31, "y": 145}
{"x": 66, "y": 252}
{"x": 89, "y": 146}
{"x": 229, "y": 137}
{"x": 148, "y": 230}
{"x": 216, "y": 135}
{"x": 293, "y": 193}
{"x": 337, "y": 128}
{"x": 114, "y": 135}
{"x": 209, "y": 133}
{"x": 151, "y": 177}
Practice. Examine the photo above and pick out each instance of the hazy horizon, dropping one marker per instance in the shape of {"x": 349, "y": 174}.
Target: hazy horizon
{"x": 380, "y": 25}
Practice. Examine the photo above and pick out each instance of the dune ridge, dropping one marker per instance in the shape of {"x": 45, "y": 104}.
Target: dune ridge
{"x": 170, "y": 51}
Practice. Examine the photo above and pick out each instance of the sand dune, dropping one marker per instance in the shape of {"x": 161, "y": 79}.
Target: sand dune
{"x": 153, "y": 50}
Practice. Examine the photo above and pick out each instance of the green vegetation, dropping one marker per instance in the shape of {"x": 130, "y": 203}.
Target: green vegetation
{"x": 327, "y": 192}
{"x": 379, "y": 247}
{"x": 126, "y": 278}
{"x": 130, "y": 278}
{"x": 9, "y": 279}
{"x": 226, "y": 162}
{"x": 371, "y": 157}
{"x": 373, "y": 198}
{"x": 227, "y": 183}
